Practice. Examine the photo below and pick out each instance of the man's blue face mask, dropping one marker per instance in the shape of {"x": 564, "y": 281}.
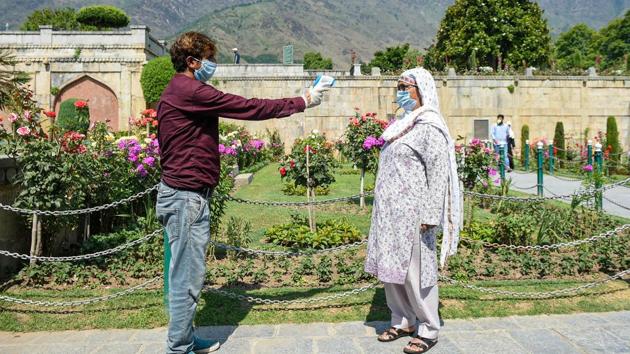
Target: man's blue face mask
{"x": 405, "y": 101}
{"x": 206, "y": 71}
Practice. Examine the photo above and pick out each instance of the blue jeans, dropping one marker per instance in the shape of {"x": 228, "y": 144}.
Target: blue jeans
{"x": 505, "y": 154}
{"x": 186, "y": 217}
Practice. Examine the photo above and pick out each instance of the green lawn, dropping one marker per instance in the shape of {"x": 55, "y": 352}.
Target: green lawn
{"x": 145, "y": 310}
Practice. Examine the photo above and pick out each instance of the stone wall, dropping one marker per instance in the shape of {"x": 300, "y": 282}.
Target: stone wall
{"x": 65, "y": 59}
{"x": 579, "y": 102}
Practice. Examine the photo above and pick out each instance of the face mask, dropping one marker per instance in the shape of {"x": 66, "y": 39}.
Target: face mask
{"x": 206, "y": 71}
{"x": 405, "y": 101}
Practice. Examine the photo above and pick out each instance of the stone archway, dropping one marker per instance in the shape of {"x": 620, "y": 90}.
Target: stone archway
{"x": 102, "y": 100}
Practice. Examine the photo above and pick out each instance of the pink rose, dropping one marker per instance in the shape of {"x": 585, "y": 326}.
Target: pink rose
{"x": 23, "y": 131}
{"x": 13, "y": 117}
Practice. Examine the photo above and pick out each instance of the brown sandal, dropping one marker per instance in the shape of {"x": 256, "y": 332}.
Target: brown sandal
{"x": 393, "y": 333}
{"x": 420, "y": 347}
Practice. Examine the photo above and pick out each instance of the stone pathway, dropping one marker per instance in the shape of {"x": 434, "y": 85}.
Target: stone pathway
{"x": 578, "y": 333}
{"x": 620, "y": 195}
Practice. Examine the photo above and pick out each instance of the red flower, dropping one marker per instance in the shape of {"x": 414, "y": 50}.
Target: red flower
{"x": 154, "y": 123}
{"x": 50, "y": 114}
{"x": 80, "y": 104}
{"x": 283, "y": 171}
{"x": 355, "y": 122}
{"x": 292, "y": 164}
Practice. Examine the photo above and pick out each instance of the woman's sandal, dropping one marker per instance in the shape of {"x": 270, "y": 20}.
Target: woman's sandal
{"x": 422, "y": 346}
{"x": 393, "y": 333}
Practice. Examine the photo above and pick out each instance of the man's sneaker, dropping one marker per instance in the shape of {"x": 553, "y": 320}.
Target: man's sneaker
{"x": 203, "y": 346}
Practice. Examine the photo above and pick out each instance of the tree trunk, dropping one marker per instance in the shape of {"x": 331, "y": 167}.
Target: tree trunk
{"x": 311, "y": 216}
{"x": 39, "y": 246}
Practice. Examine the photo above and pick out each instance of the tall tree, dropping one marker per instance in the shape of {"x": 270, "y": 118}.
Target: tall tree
{"x": 614, "y": 41}
{"x": 392, "y": 60}
{"x": 103, "y": 16}
{"x": 314, "y": 60}
{"x": 513, "y": 32}
{"x": 577, "y": 47}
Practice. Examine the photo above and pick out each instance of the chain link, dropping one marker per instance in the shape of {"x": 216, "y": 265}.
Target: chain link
{"x": 83, "y": 256}
{"x": 80, "y": 302}
{"x": 512, "y": 185}
{"x": 536, "y": 295}
{"x": 615, "y": 203}
{"x": 287, "y": 253}
{"x": 78, "y": 211}
{"x": 317, "y": 202}
{"x": 258, "y": 300}
{"x": 601, "y": 236}
{"x": 588, "y": 191}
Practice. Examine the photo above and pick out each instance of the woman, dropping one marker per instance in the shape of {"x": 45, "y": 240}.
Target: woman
{"x": 416, "y": 190}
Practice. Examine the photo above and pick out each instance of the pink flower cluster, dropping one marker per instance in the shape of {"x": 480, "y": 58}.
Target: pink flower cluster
{"x": 255, "y": 144}
{"x": 227, "y": 150}
{"x": 372, "y": 142}
{"x": 587, "y": 168}
{"x": 143, "y": 158}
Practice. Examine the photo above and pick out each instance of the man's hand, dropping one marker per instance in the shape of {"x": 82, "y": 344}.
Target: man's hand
{"x": 314, "y": 94}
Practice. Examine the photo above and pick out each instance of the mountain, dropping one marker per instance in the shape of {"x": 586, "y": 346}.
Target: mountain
{"x": 261, "y": 27}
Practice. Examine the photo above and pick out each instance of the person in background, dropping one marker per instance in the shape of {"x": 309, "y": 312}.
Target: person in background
{"x": 237, "y": 57}
{"x": 499, "y": 136}
{"x": 511, "y": 144}
{"x": 188, "y": 134}
{"x": 416, "y": 191}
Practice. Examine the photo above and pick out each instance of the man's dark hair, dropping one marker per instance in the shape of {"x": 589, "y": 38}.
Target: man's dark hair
{"x": 191, "y": 44}
{"x": 500, "y": 116}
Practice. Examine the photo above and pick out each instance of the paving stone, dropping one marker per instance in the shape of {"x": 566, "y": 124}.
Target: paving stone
{"x": 445, "y": 346}
{"x": 620, "y": 331}
{"x": 302, "y": 330}
{"x": 214, "y": 332}
{"x": 621, "y": 317}
{"x": 281, "y": 345}
{"x": 486, "y": 342}
{"x": 125, "y": 348}
{"x": 358, "y": 329}
{"x": 152, "y": 348}
{"x": 371, "y": 345}
{"x": 111, "y": 336}
{"x": 542, "y": 341}
{"x": 377, "y": 327}
{"x": 235, "y": 346}
{"x": 580, "y": 320}
{"x": 458, "y": 325}
{"x": 336, "y": 345}
{"x": 503, "y": 323}
{"x": 56, "y": 348}
{"x": 25, "y": 338}
{"x": 253, "y": 331}
{"x": 536, "y": 322}
{"x": 152, "y": 335}
{"x": 595, "y": 340}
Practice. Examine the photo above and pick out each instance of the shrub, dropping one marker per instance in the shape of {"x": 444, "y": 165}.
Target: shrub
{"x": 612, "y": 139}
{"x": 477, "y": 166}
{"x": 156, "y": 75}
{"x": 292, "y": 189}
{"x": 559, "y": 142}
{"x": 321, "y": 162}
{"x": 102, "y": 16}
{"x": 315, "y": 61}
{"x": 297, "y": 233}
{"x": 524, "y": 138}
{"x": 72, "y": 117}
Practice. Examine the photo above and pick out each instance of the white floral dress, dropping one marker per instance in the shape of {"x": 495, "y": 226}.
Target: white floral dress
{"x": 411, "y": 187}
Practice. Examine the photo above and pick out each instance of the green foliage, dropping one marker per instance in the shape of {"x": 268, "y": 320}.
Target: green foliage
{"x": 515, "y": 31}
{"x": 11, "y": 81}
{"x": 102, "y": 17}
{"x": 276, "y": 146}
{"x": 237, "y": 232}
{"x": 54, "y": 90}
{"x": 524, "y": 139}
{"x": 510, "y": 89}
{"x": 62, "y": 19}
{"x": 297, "y": 233}
{"x": 321, "y": 162}
{"x": 559, "y": 141}
{"x": 612, "y": 139}
{"x": 477, "y": 167}
{"x": 292, "y": 189}
{"x": 315, "y": 61}
{"x": 392, "y": 60}
{"x": 576, "y": 48}
{"x": 614, "y": 42}
{"x": 73, "y": 118}
{"x": 360, "y": 128}
{"x": 156, "y": 75}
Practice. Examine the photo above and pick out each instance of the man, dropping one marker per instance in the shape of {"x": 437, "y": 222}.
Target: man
{"x": 188, "y": 134}
{"x": 500, "y": 134}
{"x": 237, "y": 57}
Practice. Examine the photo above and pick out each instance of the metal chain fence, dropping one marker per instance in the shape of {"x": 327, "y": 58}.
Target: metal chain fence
{"x": 83, "y": 256}
{"x": 93, "y": 300}
{"x": 287, "y": 253}
{"x": 78, "y": 211}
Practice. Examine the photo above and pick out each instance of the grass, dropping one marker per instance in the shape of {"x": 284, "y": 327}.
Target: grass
{"x": 145, "y": 310}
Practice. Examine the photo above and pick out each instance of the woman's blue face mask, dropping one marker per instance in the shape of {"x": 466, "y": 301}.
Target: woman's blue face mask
{"x": 207, "y": 69}
{"x": 405, "y": 101}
